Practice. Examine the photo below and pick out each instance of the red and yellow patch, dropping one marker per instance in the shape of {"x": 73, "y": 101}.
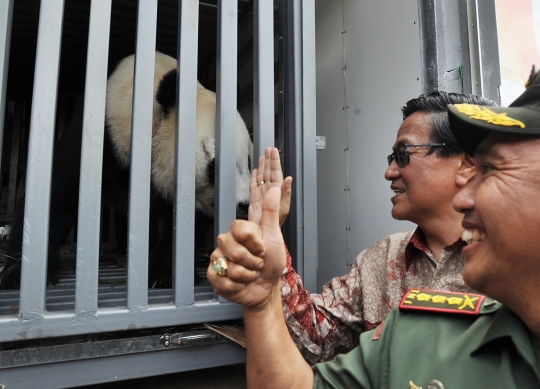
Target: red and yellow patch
{"x": 439, "y": 301}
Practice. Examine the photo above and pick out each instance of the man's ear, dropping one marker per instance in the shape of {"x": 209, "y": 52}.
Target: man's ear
{"x": 466, "y": 170}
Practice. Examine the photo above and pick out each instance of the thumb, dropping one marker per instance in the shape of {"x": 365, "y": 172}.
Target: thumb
{"x": 274, "y": 257}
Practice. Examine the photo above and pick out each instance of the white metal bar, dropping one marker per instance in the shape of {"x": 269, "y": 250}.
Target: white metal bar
{"x": 298, "y": 130}
{"x": 225, "y": 200}
{"x": 40, "y": 152}
{"x": 88, "y": 237}
{"x": 309, "y": 127}
{"x": 488, "y": 49}
{"x": 6, "y": 17}
{"x": 141, "y": 155}
{"x": 116, "y": 319}
{"x": 186, "y": 129}
{"x": 474, "y": 48}
{"x": 263, "y": 77}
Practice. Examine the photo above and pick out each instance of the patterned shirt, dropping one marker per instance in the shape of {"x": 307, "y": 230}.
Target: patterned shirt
{"x": 324, "y": 325}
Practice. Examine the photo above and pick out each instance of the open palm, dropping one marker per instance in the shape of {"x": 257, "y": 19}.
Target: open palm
{"x": 269, "y": 174}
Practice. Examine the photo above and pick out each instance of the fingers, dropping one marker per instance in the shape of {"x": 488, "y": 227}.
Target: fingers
{"x": 235, "y": 273}
{"x": 276, "y": 174}
{"x": 253, "y": 181}
{"x": 242, "y": 245}
{"x": 260, "y": 170}
{"x": 223, "y": 286}
{"x": 247, "y": 235}
{"x": 285, "y": 202}
{"x": 267, "y": 164}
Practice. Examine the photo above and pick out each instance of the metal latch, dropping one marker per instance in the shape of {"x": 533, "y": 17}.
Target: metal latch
{"x": 194, "y": 338}
{"x": 320, "y": 142}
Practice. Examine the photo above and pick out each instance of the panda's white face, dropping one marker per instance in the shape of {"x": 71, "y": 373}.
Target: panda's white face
{"x": 120, "y": 86}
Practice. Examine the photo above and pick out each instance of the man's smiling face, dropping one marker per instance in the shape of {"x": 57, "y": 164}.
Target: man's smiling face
{"x": 427, "y": 183}
{"x": 501, "y": 207}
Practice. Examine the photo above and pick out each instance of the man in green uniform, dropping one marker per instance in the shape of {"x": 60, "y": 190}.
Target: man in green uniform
{"x": 435, "y": 339}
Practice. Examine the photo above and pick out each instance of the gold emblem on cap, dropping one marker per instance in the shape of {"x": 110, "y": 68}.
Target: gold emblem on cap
{"x": 482, "y": 113}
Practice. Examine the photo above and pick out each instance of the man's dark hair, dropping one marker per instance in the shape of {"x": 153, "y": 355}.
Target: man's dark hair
{"x": 435, "y": 104}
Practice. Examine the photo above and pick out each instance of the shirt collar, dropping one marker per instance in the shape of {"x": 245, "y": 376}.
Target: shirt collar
{"x": 418, "y": 243}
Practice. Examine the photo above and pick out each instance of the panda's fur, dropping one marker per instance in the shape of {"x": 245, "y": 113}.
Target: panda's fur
{"x": 118, "y": 116}
{"x": 116, "y": 158}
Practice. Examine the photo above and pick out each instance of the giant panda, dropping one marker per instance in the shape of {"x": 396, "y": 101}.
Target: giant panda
{"x": 116, "y": 160}
{"x": 118, "y": 117}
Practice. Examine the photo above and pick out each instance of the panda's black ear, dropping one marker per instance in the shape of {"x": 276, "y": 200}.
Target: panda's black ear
{"x": 166, "y": 93}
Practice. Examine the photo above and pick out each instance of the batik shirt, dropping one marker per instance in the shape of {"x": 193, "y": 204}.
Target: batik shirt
{"x": 324, "y": 325}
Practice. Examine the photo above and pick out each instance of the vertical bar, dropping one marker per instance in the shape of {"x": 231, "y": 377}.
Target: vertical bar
{"x": 427, "y": 10}
{"x": 296, "y": 100}
{"x": 488, "y": 49}
{"x": 40, "y": 152}
{"x": 186, "y": 128}
{"x": 141, "y": 154}
{"x": 91, "y": 158}
{"x": 6, "y": 17}
{"x": 263, "y": 77}
{"x": 309, "y": 127}
{"x": 226, "y": 115}
{"x": 476, "y": 59}
{"x": 465, "y": 51}
{"x": 287, "y": 76}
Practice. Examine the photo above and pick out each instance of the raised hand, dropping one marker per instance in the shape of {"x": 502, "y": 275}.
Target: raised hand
{"x": 268, "y": 175}
{"x": 257, "y": 256}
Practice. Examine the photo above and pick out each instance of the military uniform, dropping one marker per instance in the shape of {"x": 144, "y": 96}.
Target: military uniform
{"x": 440, "y": 340}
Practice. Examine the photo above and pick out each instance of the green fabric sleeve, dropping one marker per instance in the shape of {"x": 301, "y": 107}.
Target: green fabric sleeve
{"x": 365, "y": 367}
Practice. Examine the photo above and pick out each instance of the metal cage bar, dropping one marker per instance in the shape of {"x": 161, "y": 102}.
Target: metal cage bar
{"x": 40, "y": 152}
{"x": 225, "y": 195}
{"x": 6, "y": 17}
{"x": 186, "y": 129}
{"x": 309, "y": 132}
{"x": 141, "y": 156}
{"x": 35, "y": 322}
{"x": 263, "y": 77}
{"x": 86, "y": 293}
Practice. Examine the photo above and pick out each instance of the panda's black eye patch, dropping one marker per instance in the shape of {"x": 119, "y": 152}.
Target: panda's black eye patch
{"x": 211, "y": 171}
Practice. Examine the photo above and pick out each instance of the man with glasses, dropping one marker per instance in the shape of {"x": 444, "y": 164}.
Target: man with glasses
{"x": 436, "y": 339}
{"x": 426, "y": 169}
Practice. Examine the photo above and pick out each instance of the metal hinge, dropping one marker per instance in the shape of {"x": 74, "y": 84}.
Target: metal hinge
{"x": 195, "y": 338}
{"x": 320, "y": 142}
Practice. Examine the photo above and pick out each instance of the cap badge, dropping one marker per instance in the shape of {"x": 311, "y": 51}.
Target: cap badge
{"x": 482, "y": 113}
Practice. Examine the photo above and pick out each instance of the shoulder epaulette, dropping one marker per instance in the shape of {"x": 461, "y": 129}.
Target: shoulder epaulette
{"x": 442, "y": 301}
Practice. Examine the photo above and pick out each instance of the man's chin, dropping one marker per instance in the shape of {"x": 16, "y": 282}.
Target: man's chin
{"x": 473, "y": 277}
{"x": 396, "y": 214}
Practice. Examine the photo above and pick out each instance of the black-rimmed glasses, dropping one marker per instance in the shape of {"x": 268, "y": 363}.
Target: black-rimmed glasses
{"x": 401, "y": 153}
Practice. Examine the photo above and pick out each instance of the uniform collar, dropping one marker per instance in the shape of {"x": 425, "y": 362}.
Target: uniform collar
{"x": 418, "y": 243}
{"x": 506, "y": 324}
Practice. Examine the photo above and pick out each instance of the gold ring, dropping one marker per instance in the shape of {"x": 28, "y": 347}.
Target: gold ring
{"x": 260, "y": 183}
{"x": 221, "y": 265}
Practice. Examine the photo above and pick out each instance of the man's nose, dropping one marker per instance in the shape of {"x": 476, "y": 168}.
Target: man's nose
{"x": 392, "y": 171}
{"x": 464, "y": 199}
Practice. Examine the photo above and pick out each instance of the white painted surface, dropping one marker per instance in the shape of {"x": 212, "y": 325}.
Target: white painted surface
{"x": 368, "y": 67}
